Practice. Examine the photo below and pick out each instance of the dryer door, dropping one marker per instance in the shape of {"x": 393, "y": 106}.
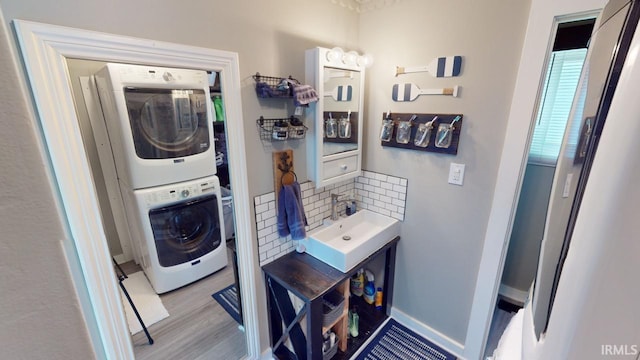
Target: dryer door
{"x": 168, "y": 123}
{"x": 186, "y": 231}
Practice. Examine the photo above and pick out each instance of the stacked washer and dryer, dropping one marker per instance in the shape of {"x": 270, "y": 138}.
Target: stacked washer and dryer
{"x": 159, "y": 126}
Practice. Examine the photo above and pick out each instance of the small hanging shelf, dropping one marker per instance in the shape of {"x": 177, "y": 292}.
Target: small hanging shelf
{"x": 281, "y": 129}
{"x": 274, "y": 87}
{"x": 438, "y": 133}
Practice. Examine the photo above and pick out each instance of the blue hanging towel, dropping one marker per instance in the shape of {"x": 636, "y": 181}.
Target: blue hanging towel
{"x": 291, "y": 217}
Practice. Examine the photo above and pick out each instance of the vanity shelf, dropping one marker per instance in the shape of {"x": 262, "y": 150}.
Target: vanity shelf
{"x": 310, "y": 279}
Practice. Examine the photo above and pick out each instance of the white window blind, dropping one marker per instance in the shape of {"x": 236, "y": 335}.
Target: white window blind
{"x": 560, "y": 85}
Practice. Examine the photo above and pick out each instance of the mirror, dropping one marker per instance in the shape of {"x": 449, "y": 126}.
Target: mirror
{"x": 334, "y": 141}
{"x": 340, "y": 110}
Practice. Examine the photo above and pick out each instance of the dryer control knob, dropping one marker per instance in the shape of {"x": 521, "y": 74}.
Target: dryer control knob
{"x": 167, "y": 76}
{"x": 184, "y": 193}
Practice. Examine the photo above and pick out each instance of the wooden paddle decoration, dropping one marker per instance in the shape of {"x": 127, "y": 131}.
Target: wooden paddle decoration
{"x": 340, "y": 93}
{"x": 410, "y": 92}
{"x": 446, "y": 66}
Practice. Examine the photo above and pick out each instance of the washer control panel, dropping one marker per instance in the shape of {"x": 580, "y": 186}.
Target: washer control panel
{"x": 178, "y": 192}
{"x": 140, "y": 75}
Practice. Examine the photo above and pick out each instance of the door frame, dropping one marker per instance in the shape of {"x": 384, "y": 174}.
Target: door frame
{"x": 543, "y": 20}
{"x": 44, "y": 49}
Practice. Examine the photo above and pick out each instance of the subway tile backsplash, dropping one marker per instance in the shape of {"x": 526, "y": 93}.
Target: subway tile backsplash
{"x": 384, "y": 194}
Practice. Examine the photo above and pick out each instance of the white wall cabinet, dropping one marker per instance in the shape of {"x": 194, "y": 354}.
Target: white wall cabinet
{"x": 334, "y": 140}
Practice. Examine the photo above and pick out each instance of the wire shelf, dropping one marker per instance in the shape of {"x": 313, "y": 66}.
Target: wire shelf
{"x": 274, "y": 87}
{"x": 281, "y": 129}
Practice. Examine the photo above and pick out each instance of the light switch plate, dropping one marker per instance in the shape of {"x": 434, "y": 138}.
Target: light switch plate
{"x": 456, "y": 174}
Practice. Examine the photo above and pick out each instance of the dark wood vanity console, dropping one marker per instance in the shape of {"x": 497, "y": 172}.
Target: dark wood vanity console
{"x": 310, "y": 279}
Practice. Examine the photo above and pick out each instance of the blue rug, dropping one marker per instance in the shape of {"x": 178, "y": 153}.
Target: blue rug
{"x": 228, "y": 299}
{"x": 396, "y": 342}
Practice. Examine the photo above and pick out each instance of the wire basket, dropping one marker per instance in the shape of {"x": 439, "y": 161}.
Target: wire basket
{"x": 281, "y": 128}
{"x": 332, "y": 307}
{"x": 274, "y": 87}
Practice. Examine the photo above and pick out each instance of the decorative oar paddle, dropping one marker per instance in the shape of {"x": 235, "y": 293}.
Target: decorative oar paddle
{"x": 340, "y": 93}
{"x": 446, "y": 66}
{"x": 410, "y": 92}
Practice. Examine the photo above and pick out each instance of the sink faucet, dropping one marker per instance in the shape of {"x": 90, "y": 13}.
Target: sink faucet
{"x": 335, "y": 202}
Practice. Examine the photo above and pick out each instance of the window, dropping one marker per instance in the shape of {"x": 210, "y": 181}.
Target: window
{"x": 560, "y": 85}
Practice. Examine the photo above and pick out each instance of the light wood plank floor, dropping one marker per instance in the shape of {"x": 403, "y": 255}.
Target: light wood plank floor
{"x": 197, "y": 326}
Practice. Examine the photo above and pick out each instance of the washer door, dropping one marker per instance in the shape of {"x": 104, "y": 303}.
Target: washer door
{"x": 186, "y": 231}
{"x": 167, "y": 123}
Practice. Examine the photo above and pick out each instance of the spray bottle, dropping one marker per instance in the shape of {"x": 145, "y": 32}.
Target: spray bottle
{"x": 369, "y": 288}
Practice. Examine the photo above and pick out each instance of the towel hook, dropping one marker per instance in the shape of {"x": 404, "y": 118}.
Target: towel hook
{"x": 286, "y": 181}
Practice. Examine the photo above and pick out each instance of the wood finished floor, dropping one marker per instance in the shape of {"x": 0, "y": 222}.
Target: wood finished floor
{"x": 197, "y": 326}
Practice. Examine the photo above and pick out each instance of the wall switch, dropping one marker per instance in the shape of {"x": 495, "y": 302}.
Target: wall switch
{"x": 456, "y": 174}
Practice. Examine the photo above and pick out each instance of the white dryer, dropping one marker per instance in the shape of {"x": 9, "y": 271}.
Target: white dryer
{"x": 159, "y": 122}
{"x": 179, "y": 231}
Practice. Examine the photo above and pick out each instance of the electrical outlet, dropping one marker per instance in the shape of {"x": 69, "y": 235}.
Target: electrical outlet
{"x": 456, "y": 174}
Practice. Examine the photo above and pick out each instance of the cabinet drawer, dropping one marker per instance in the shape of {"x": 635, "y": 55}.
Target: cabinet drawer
{"x": 333, "y": 168}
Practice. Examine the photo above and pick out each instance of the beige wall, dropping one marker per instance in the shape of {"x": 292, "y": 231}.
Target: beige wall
{"x": 39, "y": 312}
{"x": 442, "y": 236}
{"x": 444, "y": 227}
{"x": 270, "y": 38}
{"x": 528, "y": 227}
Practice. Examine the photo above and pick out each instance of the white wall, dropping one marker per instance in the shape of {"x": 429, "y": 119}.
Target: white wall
{"x": 443, "y": 232}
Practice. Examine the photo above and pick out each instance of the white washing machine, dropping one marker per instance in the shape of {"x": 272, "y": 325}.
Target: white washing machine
{"x": 179, "y": 231}
{"x": 159, "y": 123}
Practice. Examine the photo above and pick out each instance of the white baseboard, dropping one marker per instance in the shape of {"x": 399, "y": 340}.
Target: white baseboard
{"x": 267, "y": 354}
{"x": 120, "y": 259}
{"x": 429, "y": 333}
{"x": 517, "y": 296}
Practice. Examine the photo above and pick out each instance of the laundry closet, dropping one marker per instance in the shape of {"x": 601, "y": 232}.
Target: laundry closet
{"x": 154, "y": 165}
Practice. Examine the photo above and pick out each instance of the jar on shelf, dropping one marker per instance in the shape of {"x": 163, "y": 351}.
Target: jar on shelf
{"x": 344, "y": 128}
{"x": 280, "y": 130}
{"x": 297, "y": 129}
{"x": 331, "y": 128}
{"x": 386, "y": 130}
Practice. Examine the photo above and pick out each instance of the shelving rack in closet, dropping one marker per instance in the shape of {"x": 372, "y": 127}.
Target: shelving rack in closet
{"x": 219, "y": 130}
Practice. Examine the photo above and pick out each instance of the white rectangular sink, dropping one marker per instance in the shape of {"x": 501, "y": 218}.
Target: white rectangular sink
{"x": 349, "y": 240}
